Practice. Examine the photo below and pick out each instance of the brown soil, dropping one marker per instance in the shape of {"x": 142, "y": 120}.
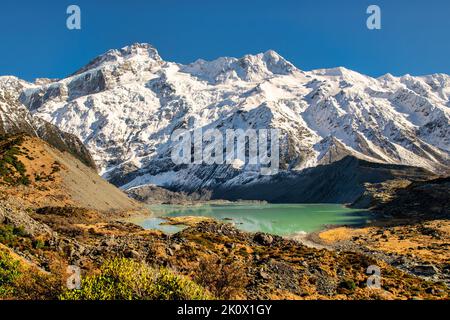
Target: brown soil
{"x": 58, "y": 179}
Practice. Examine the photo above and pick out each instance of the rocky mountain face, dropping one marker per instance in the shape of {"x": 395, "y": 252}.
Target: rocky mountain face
{"x": 125, "y": 104}
{"x": 15, "y": 118}
{"x": 151, "y": 194}
{"x": 343, "y": 181}
{"x": 419, "y": 200}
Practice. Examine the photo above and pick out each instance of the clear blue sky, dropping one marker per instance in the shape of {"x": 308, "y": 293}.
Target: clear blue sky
{"x": 415, "y": 34}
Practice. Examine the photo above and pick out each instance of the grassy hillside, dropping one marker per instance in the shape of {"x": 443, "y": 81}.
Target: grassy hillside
{"x": 41, "y": 175}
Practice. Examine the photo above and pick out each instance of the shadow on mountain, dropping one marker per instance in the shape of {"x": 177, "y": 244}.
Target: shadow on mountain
{"x": 339, "y": 182}
{"x": 421, "y": 200}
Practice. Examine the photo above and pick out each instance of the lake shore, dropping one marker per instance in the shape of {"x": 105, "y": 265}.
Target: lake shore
{"x": 279, "y": 219}
{"x": 397, "y": 241}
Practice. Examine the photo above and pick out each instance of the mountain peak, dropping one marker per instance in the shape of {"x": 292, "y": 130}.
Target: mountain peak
{"x": 334, "y": 72}
{"x": 248, "y": 68}
{"x": 272, "y": 55}
{"x": 387, "y": 77}
{"x": 271, "y": 60}
{"x": 144, "y": 51}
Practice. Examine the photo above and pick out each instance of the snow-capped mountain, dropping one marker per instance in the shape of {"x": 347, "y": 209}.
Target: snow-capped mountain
{"x": 125, "y": 105}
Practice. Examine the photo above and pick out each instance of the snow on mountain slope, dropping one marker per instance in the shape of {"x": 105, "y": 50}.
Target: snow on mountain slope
{"x": 125, "y": 104}
{"x": 15, "y": 118}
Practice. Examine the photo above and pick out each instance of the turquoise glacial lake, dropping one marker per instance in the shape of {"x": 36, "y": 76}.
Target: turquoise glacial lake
{"x": 279, "y": 219}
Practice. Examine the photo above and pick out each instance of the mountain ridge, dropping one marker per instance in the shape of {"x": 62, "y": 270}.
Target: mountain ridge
{"x": 125, "y": 104}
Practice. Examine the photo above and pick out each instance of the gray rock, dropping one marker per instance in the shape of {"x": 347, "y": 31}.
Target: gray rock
{"x": 263, "y": 238}
{"x": 230, "y": 245}
{"x": 425, "y": 270}
{"x": 264, "y": 275}
{"x": 132, "y": 254}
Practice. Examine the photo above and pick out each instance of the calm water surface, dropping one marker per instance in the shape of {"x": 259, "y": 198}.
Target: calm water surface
{"x": 280, "y": 219}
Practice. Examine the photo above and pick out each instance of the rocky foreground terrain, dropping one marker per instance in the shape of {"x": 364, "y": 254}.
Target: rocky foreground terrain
{"x": 47, "y": 224}
{"x": 412, "y": 229}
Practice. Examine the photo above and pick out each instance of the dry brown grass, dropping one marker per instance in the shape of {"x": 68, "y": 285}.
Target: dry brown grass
{"x": 59, "y": 179}
{"x": 341, "y": 234}
{"x": 428, "y": 241}
{"x": 226, "y": 279}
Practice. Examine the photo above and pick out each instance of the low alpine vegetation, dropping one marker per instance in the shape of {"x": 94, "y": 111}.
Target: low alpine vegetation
{"x": 22, "y": 282}
{"x": 12, "y": 170}
{"x": 125, "y": 279}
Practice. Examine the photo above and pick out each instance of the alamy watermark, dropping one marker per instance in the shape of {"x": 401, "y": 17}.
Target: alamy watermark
{"x": 73, "y": 22}
{"x": 374, "y": 20}
{"x": 74, "y": 279}
{"x": 237, "y": 148}
{"x": 374, "y": 279}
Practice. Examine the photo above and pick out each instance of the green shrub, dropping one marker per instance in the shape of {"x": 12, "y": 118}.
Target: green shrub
{"x": 347, "y": 284}
{"x": 169, "y": 286}
{"x": 9, "y": 273}
{"x": 26, "y": 283}
{"x": 125, "y": 279}
{"x": 38, "y": 244}
{"x": 10, "y": 166}
{"x": 119, "y": 279}
{"x": 9, "y": 235}
{"x": 19, "y": 231}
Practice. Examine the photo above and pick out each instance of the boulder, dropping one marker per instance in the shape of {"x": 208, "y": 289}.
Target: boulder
{"x": 263, "y": 238}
